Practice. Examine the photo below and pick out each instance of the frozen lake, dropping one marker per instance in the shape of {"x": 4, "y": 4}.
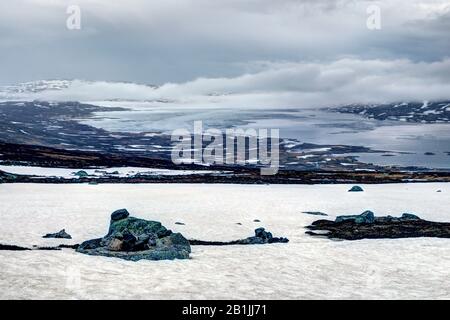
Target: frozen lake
{"x": 408, "y": 141}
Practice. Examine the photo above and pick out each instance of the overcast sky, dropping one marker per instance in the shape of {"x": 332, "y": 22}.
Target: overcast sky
{"x": 297, "y": 49}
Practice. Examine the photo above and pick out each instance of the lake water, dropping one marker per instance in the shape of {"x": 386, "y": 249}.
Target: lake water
{"x": 404, "y": 143}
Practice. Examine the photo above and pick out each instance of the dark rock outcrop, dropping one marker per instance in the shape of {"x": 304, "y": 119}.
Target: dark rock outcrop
{"x": 261, "y": 237}
{"x": 58, "y": 235}
{"x": 367, "y": 226}
{"x": 81, "y": 174}
{"x": 9, "y": 247}
{"x": 136, "y": 239}
{"x": 119, "y": 214}
{"x": 365, "y": 217}
{"x": 315, "y": 213}
{"x": 356, "y": 189}
{"x": 46, "y": 248}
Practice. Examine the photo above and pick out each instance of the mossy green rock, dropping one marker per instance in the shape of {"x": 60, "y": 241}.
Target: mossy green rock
{"x": 136, "y": 239}
{"x": 138, "y": 227}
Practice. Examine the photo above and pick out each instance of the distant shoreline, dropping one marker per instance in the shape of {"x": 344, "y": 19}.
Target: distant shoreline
{"x": 32, "y": 155}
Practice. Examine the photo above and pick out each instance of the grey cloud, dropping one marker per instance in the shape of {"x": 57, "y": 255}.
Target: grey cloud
{"x": 302, "y": 84}
{"x": 178, "y": 41}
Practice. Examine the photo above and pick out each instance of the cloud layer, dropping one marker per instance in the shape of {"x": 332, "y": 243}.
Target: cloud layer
{"x": 287, "y": 84}
{"x": 180, "y": 40}
{"x": 254, "y": 53}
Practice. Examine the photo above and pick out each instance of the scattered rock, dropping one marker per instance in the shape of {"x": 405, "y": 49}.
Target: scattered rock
{"x": 365, "y": 217}
{"x": 134, "y": 239}
{"x": 409, "y": 216}
{"x": 9, "y": 247}
{"x": 439, "y": 191}
{"x": 370, "y": 227}
{"x": 10, "y": 176}
{"x": 47, "y": 248}
{"x": 356, "y": 189}
{"x": 261, "y": 237}
{"x": 315, "y": 213}
{"x": 58, "y": 235}
{"x": 119, "y": 214}
{"x": 81, "y": 174}
{"x": 18, "y": 248}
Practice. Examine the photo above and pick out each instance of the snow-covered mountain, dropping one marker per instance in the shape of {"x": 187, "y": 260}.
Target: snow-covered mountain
{"x": 20, "y": 90}
{"x": 73, "y": 90}
{"x": 425, "y": 112}
{"x": 36, "y": 86}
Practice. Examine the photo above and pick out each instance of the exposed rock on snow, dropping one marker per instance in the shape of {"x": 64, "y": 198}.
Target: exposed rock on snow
{"x": 58, "y": 235}
{"x": 365, "y": 217}
{"x": 367, "y": 226}
{"x": 261, "y": 237}
{"x": 315, "y": 213}
{"x": 119, "y": 214}
{"x": 81, "y": 174}
{"x": 10, "y": 247}
{"x": 356, "y": 189}
{"x": 136, "y": 239}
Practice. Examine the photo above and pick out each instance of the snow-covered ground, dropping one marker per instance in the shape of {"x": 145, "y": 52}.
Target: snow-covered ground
{"x": 305, "y": 268}
{"x": 102, "y": 172}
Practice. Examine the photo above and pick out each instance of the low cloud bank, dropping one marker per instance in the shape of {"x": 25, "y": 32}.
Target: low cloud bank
{"x": 275, "y": 85}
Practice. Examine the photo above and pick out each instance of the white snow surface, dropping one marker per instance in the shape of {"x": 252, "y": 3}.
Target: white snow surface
{"x": 98, "y": 172}
{"x": 305, "y": 268}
